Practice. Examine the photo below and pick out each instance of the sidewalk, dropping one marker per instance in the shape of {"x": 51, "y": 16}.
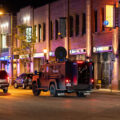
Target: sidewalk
{"x": 106, "y": 91}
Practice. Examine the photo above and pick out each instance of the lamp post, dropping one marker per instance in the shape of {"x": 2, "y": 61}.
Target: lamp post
{"x": 11, "y": 45}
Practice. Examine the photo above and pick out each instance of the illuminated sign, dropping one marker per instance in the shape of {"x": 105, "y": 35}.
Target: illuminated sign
{"x": 51, "y": 54}
{"x": 77, "y": 51}
{"x": 38, "y": 55}
{"x": 23, "y": 56}
{"x": 106, "y": 22}
{"x": 109, "y": 15}
{"x": 5, "y": 58}
{"x": 102, "y": 49}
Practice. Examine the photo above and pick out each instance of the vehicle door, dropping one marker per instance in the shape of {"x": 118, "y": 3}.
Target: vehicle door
{"x": 44, "y": 77}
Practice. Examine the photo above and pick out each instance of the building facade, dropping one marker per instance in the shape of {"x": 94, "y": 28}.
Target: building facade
{"x": 7, "y": 42}
{"x": 84, "y": 27}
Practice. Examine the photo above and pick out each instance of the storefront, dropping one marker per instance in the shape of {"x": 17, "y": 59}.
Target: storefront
{"x": 5, "y": 63}
{"x": 38, "y": 61}
{"x": 103, "y": 66}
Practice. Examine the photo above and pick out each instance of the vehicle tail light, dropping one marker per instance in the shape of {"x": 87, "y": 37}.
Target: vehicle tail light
{"x": 8, "y": 79}
{"x": 92, "y": 81}
{"x": 80, "y": 62}
{"x": 68, "y": 82}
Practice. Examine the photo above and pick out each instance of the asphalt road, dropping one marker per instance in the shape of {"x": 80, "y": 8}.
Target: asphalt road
{"x": 22, "y": 105}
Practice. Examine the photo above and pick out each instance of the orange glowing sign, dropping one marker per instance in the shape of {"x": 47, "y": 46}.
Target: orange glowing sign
{"x": 109, "y": 15}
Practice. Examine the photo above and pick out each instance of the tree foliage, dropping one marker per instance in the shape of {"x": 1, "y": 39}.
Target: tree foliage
{"x": 26, "y": 37}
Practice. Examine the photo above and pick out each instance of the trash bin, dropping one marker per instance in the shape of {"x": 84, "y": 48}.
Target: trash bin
{"x": 98, "y": 85}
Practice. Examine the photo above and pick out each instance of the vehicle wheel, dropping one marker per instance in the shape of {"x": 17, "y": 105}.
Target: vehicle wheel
{"x": 80, "y": 94}
{"x": 15, "y": 86}
{"x": 5, "y": 90}
{"x": 36, "y": 92}
{"x": 53, "y": 91}
{"x": 23, "y": 86}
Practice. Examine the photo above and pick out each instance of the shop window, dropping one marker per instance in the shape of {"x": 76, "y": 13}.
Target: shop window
{"x": 44, "y": 31}
{"x": 83, "y": 23}
{"x": 77, "y": 25}
{"x": 71, "y": 26}
{"x": 56, "y": 29}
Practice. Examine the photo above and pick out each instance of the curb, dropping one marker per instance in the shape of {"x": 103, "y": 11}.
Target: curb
{"x": 106, "y": 92}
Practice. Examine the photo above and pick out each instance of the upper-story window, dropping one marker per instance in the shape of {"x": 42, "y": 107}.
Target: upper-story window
{"x": 44, "y": 31}
{"x": 77, "y": 25}
{"x": 102, "y": 15}
{"x": 71, "y": 26}
{"x": 40, "y": 32}
{"x": 29, "y": 34}
{"x": 95, "y": 15}
{"x": 4, "y": 41}
{"x": 51, "y": 30}
{"x": 56, "y": 29}
{"x": 83, "y": 23}
{"x": 62, "y": 27}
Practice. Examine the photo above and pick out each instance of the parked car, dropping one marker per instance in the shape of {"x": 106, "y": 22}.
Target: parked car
{"x": 4, "y": 81}
{"x": 24, "y": 80}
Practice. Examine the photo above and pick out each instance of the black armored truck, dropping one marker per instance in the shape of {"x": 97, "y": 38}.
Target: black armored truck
{"x": 64, "y": 77}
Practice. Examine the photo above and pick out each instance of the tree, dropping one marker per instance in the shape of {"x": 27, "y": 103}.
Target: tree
{"x": 27, "y": 38}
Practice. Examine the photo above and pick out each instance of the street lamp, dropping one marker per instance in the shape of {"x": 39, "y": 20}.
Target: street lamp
{"x": 11, "y": 47}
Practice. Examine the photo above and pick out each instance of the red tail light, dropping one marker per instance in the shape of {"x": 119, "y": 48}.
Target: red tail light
{"x": 8, "y": 79}
{"x": 92, "y": 80}
{"x": 80, "y": 62}
{"x": 67, "y": 81}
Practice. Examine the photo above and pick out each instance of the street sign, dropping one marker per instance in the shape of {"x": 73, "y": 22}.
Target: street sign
{"x": 106, "y": 22}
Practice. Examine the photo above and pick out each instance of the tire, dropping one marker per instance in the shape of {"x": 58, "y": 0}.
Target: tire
{"x": 23, "y": 86}
{"x": 15, "y": 85}
{"x": 5, "y": 90}
{"x": 53, "y": 91}
{"x": 80, "y": 94}
{"x": 36, "y": 91}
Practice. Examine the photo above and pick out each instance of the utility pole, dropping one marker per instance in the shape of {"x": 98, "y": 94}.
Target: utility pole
{"x": 12, "y": 45}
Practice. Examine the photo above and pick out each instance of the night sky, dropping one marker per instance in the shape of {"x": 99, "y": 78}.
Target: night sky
{"x": 15, "y": 5}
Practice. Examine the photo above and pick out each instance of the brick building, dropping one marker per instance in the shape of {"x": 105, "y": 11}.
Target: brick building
{"x": 88, "y": 37}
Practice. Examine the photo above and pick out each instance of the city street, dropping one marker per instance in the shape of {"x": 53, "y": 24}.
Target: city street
{"x": 20, "y": 104}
